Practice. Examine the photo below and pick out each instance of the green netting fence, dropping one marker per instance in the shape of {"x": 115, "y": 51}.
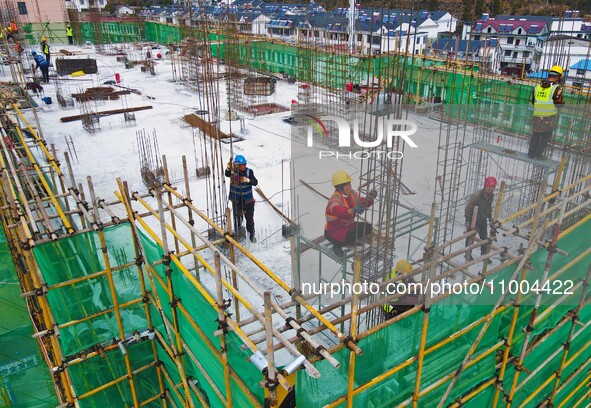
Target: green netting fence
{"x": 399, "y": 342}
{"x": 206, "y": 318}
{"x": 86, "y": 310}
{"x": 25, "y": 380}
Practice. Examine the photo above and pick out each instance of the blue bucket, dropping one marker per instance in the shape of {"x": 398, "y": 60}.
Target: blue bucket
{"x": 47, "y": 100}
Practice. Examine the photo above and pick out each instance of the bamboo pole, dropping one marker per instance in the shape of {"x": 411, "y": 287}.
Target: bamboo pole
{"x": 189, "y": 212}
{"x": 232, "y": 261}
{"x": 177, "y": 356}
{"x": 222, "y": 326}
{"x": 114, "y": 382}
{"x": 353, "y": 331}
{"x": 425, "y": 325}
{"x": 169, "y": 196}
{"x": 271, "y": 383}
{"x": 140, "y": 272}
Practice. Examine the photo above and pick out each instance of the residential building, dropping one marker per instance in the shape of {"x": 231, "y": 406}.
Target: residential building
{"x": 520, "y": 42}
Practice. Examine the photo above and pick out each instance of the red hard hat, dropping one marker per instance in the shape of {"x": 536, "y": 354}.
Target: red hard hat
{"x": 490, "y": 181}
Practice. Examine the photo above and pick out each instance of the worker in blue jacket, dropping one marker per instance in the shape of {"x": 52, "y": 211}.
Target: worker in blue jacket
{"x": 42, "y": 64}
{"x": 241, "y": 181}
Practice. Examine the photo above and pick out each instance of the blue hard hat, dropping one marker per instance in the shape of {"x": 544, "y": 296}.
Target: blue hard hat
{"x": 33, "y": 52}
{"x": 240, "y": 159}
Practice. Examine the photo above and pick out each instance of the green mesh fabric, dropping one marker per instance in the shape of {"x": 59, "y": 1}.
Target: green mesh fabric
{"x": 80, "y": 256}
{"x": 99, "y": 371}
{"x": 205, "y": 317}
{"x": 29, "y": 384}
{"x": 24, "y": 379}
{"x": 391, "y": 346}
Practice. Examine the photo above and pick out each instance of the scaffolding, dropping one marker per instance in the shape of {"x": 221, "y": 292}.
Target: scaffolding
{"x": 153, "y": 316}
{"x": 149, "y": 300}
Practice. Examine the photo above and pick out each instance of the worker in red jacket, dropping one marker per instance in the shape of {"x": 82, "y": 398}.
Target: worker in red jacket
{"x": 342, "y": 208}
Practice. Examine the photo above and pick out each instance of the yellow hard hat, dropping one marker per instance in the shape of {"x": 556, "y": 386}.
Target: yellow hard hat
{"x": 402, "y": 266}
{"x": 340, "y": 177}
{"x": 43, "y": 39}
{"x": 556, "y": 69}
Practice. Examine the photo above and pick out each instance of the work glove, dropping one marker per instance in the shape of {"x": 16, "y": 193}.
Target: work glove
{"x": 372, "y": 194}
{"x": 358, "y": 210}
{"x": 229, "y": 166}
{"x": 244, "y": 179}
{"x": 468, "y": 226}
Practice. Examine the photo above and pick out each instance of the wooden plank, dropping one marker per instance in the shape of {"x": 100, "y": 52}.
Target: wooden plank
{"x": 105, "y": 113}
{"x": 208, "y": 128}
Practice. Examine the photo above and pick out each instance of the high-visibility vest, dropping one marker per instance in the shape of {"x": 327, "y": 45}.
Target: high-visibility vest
{"x": 356, "y": 200}
{"x": 543, "y": 102}
{"x": 241, "y": 191}
{"x": 69, "y": 31}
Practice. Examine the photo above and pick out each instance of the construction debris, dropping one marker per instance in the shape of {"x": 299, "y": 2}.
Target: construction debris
{"x": 102, "y": 93}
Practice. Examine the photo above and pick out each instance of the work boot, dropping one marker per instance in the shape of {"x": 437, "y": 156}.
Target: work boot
{"x": 338, "y": 250}
{"x": 253, "y": 239}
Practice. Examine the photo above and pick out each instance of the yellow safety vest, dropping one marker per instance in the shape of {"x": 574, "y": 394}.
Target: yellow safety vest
{"x": 543, "y": 102}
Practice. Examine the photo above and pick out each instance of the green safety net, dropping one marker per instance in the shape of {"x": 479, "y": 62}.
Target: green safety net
{"x": 202, "y": 343}
{"x": 390, "y": 347}
{"x": 81, "y": 255}
{"x": 24, "y": 378}
{"x": 89, "y": 303}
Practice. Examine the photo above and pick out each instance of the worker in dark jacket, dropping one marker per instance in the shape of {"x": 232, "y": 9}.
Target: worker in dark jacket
{"x": 342, "y": 208}
{"x": 241, "y": 181}
{"x": 42, "y": 65}
{"x": 45, "y": 50}
{"x": 483, "y": 199}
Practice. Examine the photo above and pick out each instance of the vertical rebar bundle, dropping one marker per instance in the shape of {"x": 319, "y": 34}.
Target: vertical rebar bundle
{"x": 150, "y": 161}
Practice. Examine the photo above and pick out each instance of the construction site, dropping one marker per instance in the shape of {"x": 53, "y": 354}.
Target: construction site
{"x": 123, "y": 282}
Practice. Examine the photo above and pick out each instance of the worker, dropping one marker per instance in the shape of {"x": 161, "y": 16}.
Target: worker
{"x": 242, "y": 179}
{"x": 405, "y": 302}
{"x": 13, "y": 27}
{"x": 41, "y": 64}
{"x": 7, "y": 34}
{"x": 45, "y": 50}
{"x": 341, "y": 228}
{"x": 483, "y": 199}
{"x": 18, "y": 48}
{"x": 545, "y": 98}
{"x": 70, "y": 34}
